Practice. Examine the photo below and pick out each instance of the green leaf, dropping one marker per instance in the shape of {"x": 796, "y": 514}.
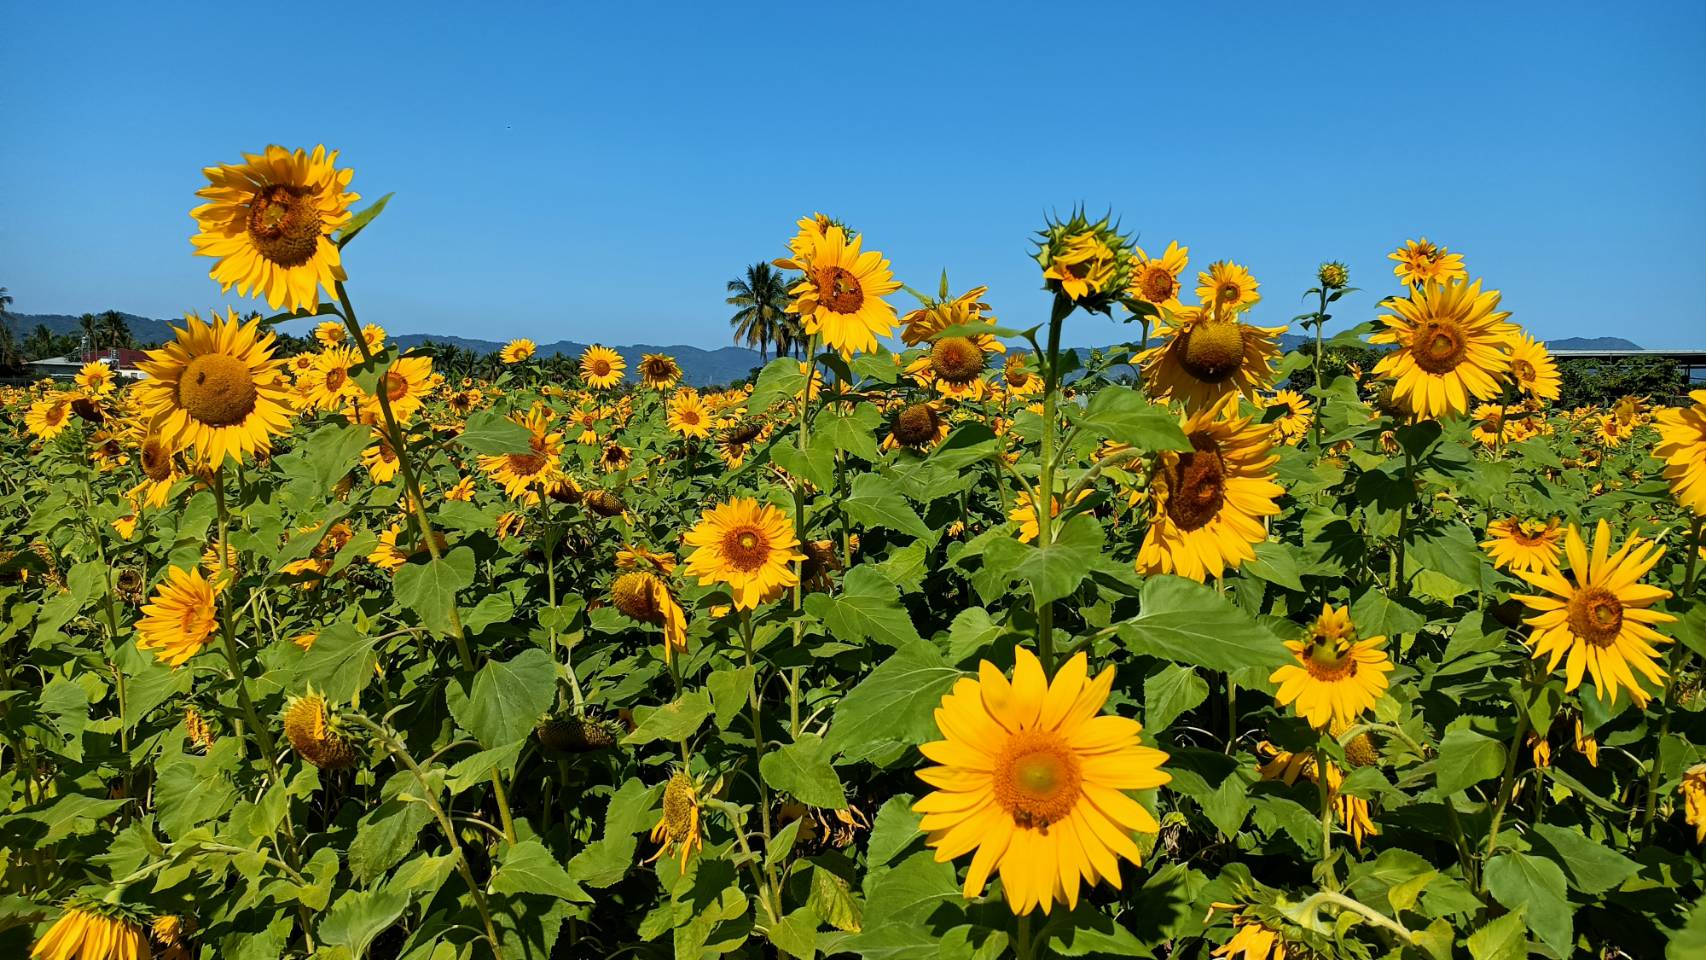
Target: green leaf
{"x": 1592, "y": 867}
{"x": 854, "y": 432}
{"x": 1377, "y": 615}
{"x": 1465, "y": 759}
{"x": 339, "y": 664}
{"x": 362, "y": 218}
{"x": 494, "y": 435}
{"x": 530, "y": 868}
{"x": 1170, "y": 692}
{"x": 1689, "y": 943}
{"x": 832, "y": 900}
{"x": 359, "y": 917}
{"x": 729, "y": 687}
{"x": 334, "y": 449}
{"x": 507, "y": 698}
{"x": 1056, "y": 570}
{"x": 867, "y": 608}
{"x": 894, "y": 704}
{"x": 428, "y": 586}
{"x": 796, "y": 934}
{"x": 1123, "y": 415}
{"x": 781, "y": 379}
{"x": 679, "y": 720}
{"x": 972, "y": 631}
{"x": 893, "y": 830}
{"x": 1535, "y": 885}
{"x": 1276, "y": 563}
{"x": 875, "y": 502}
{"x": 387, "y": 833}
{"x": 1186, "y": 622}
{"x": 802, "y": 769}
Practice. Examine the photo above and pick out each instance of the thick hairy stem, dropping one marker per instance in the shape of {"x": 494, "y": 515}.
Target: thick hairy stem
{"x": 1677, "y": 652}
{"x": 1043, "y": 502}
{"x": 1503, "y": 798}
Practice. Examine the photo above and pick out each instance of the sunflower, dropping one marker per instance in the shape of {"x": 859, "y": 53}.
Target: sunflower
{"x": 159, "y": 472}
{"x": 183, "y": 614}
{"x": 197, "y": 730}
{"x": 84, "y": 932}
{"x": 840, "y": 297}
{"x": 1693, "y": 790}
{"x": 1201, "y": 359}
{"x": 1450, "y": 340}
{"x": 1533, "y": 368}
{"x": 678, "y": 826}
{"x": 1206, "y": 504}
{"x": 95, "y": 378}
{"x": 601, "y": 367}
{"x": 1682, "y": 447}
{"x": 1024, "y": 513}
{"x": 954, "y": 365}
{"x": 523, "y": 472}
{"x": 1599, "y": 619}
{"x": 1286, "y": 766}
{"x": 510, "y": 523}
{"x": 1226, "y": 288}
{"x": 327, "y": 385}
{"x": 216, "y": 389}
{"x": 1020, "y": 379}
{"x": 1420, "y": 262}
{"x": 49, "y": 416}
{"x": 330, "y": 333}
{"x": 1156, "y": 281}
{"x": 1252, "y": 939}
{"x": 270, "y": 221}
{"x": 516, "y": 351}
{"x": 315, "y": 733}
{"x": 1523, "y": 545}
{"x": 688, "y": 416}
{"x": 644, "y": 596}
{"x": 1032, "y": 777}
{"x": 659, "y": 372}
{"x": 462, "y": 491}
{"x": 379, "y": 459}
{"x": 931, "y": 319}
{"x": 1337, "y": 676}
{"x": 1086, "y": 263}
{"x": 749, "y": 547}
{"x": 1612, "y": 431}
{"x": 918, "y": 426}
{"x": 407, "y": 383}
{"x": 615, "y": 457}
{"x": 1293, "y": 423}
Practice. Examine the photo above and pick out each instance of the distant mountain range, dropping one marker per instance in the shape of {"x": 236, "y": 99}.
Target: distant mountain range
{"x": 699, "y": 366}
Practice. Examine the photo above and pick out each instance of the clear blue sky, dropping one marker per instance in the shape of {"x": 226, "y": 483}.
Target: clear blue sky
{"x": 593, "y": 173}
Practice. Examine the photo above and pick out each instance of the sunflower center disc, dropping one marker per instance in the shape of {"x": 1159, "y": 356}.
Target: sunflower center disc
{"x": 957, "y": 360}
{"x": 284, "y": 224}
{"x": 1523, "y": 370}
{"x": 1328, "y": 661}
{"x": 746, "y": 549}
{"x": 156, "y": 461}
{"x": 217, "y": 389}
{"x": 632, "y": 594}
{"x": 526, "y": 464}
{"x": 1214, "y": 351}
{"x": 839, "y": 290}
{"x": 1438, "y": 346}
{"x": 1229, "y": 292}
{"x": 1157, "y": 285}
{"x": 916, "y": 425}
{"x": 1596, "y": 615}
{"x": 1037, "y": 779}
{"x": 1017, "y": 375}
{"x": 1199, "y": 489}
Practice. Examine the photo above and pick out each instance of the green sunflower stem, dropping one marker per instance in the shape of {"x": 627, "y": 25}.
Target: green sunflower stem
{"x": 802, "y": 440}
{"x": 1502, "y": 799}
{"x": 1043, "y": 502}
{"x": 1328, "y": 879}
{"x": 1320, "y": 401}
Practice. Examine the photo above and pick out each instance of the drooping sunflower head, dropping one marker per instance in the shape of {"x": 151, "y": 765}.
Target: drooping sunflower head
{"x": 1087, "y": 263}
{"x": 603, "y": 502}
{"x": 316, "y": 734}
{"x": 931, "y": 319}
{"x": 1450, "y": 341}
{"x": 216, "y": 389}
{"x": 746, "y": 546}
{"x": 1202, "y": 359}
{"x": 602, "y": 367}
{"x": 659, "y": 371}
{"x": 841, "y": 295}
{"x": 517, "y": 350}
{"x": 615, "y": 457}
{"x": 1596, "y": 617}
{"x": 270, "y": 220}
{"x": 677, "y": 828}
{"x": 176, "y": 624}
{"x": 93, "y": 930}
{"x": 1226, "y": 288}
{"x": 49, "y": 416}
{"x": 566, "y": 734}
{"x": 1337, "y": 676}
{"x": 1033, "y": 778}
{"x": 196, "y": 728}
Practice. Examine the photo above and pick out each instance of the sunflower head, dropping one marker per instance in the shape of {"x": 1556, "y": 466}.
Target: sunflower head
{"x": 316, "y": 733}
{"x": 92, "y": 929}
{"x": 749, "y": 547}
{"x": 216, "y": 388}
{"x": 917, "y": 426}
{"x": 659, "y": 371}
{"x": 678, "y": 824}
{"x": 1085, "y": 263}
{"x": 603, "y": 502}
{"x": 517, "y": 351}
{"x": 567, "y": 733}
{"x": 1332, "y": 275}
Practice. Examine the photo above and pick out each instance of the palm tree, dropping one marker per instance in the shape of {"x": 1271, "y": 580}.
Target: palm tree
{"x": 762, "y": 319}
{"x": 8, "y": 342}
{"x": 40, "y": 342}
{"x": 114, "y": 329}
{"x": 91, "y": 328}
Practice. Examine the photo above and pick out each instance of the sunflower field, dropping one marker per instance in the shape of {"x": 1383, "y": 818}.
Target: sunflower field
{"x": 943, "y": 642}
